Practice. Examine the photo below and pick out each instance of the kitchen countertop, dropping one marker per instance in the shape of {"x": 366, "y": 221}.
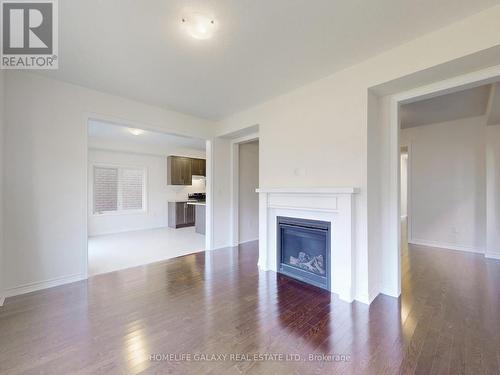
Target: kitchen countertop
{"x": 197, "y": 203}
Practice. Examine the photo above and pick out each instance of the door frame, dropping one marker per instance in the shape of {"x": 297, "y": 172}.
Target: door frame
{"x": 459, "y": 83}
{"x": 409, "y": 203}
{"x": 130, "y": 124}
{"x": 235, "y": 183}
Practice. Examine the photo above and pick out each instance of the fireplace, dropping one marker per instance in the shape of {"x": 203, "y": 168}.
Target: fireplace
{"x": 327, "y": 205}
{"x": 304, "y": 250}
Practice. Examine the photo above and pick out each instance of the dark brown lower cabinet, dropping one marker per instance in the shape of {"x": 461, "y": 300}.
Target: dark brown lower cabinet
{"x": 190, "y": 214}
{"x": 180, "y": 214}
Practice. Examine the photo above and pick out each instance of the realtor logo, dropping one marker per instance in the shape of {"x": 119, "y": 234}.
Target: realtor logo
{"x": 29, "y": 34}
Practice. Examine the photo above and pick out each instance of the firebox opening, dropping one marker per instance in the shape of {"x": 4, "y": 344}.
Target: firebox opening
{"x": 304, "y": 250}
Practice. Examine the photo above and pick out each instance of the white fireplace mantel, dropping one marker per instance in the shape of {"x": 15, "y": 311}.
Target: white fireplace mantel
{"x": 319, "y": 190}
{"x": 332, "y": 204}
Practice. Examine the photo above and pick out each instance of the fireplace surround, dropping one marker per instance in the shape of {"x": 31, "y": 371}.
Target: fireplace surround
{"x": 334, "y": 206}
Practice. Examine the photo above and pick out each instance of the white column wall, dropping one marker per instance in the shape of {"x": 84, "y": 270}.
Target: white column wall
{"x": 493, "y": 191}
{"x": 2, "y": 113}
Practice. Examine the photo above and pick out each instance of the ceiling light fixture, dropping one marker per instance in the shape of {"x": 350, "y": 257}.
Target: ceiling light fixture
{"x": 199, "y": 26}
{"x": 136, "y": 131}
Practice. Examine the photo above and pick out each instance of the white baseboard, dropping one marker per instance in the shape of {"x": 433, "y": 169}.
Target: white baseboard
{"x": 362, "y": 298}
{"x": 31, "y": 287}
{"x": 348, "y": 297}
{"x": 235, "y": 244}
{"x": 492, "y": 255}
{"x": 263, "y": 267}
{"x": 121, "y": 231}
{"x": 218, "y": 247}
{"x": 389, "y": 291}
{"x": 444, "y": 245}
{"x": 252, "y": 240}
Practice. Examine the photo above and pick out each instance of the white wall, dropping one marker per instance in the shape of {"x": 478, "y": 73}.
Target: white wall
{"x": 45, "y": 189}
{"x": 143, "y": 148}
{"x": 447, "y": 189}
{"x": 317, "y": 135}
{"x": 320, "y": 127}
{"x": 248, "y": 199}
{"x": 221, "y": 220}
{"x": 373, "y": 189}
{"x": 2, "y": 74}
{"x": 158, "y": 193}
{"x": 493, "y": 191}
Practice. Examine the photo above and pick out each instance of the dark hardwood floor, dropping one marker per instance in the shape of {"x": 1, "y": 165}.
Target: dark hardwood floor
{"x": 446, "y": 322}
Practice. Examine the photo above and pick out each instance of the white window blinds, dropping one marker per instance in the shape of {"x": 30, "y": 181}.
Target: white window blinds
{"x": 118, "y": 189}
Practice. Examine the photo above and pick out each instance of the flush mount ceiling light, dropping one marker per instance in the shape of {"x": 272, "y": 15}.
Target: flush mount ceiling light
{"x": 199, "y": 26}
{"x": 136, "y": 131}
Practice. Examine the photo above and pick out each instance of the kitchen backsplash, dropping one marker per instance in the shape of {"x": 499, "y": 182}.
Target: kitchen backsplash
{"x": 198, "y": 186}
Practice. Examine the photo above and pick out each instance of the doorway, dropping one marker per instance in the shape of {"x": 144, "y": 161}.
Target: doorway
{"x": 248, "y": 199}
{"x": 245, "y": 181}
{"x": 134, "y": 196}
{"x": 391, "y": 112}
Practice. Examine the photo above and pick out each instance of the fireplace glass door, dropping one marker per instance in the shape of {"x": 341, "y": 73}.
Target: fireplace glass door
{"x": 304, "y": 250}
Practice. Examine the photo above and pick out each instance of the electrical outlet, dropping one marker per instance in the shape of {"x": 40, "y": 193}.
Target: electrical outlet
{"x": 300, "y": 172}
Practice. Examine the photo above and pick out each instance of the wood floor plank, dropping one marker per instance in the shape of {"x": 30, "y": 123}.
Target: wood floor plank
{"x": 447, "y": 320}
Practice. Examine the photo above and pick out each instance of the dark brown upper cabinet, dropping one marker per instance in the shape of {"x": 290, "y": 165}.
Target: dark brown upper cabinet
{"x": 198, "y": 167}
{"x": 179, "y": 170}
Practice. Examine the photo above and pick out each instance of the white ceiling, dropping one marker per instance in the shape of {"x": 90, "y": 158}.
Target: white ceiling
{"x": 449, "y": 107}
{"x": 112, "y": 132}
{"x": 263, "y": 48}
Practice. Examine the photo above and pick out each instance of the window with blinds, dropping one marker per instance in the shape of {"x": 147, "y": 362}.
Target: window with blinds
{"x": 118, "y": 189}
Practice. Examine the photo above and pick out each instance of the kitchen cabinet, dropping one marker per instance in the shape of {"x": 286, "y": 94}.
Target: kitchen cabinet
{"x": 180, "y": 215}
{"x": 179, "y": 170}
{"x": 198, "y": 167}
{"x": 200, "y": 218}
{"x": 190, "y": 214}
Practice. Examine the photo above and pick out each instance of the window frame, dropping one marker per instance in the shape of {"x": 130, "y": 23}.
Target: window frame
{"x": 119, "y": 211}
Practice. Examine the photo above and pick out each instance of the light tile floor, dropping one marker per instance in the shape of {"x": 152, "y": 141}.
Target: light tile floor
{"x": 123, "y": 250}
